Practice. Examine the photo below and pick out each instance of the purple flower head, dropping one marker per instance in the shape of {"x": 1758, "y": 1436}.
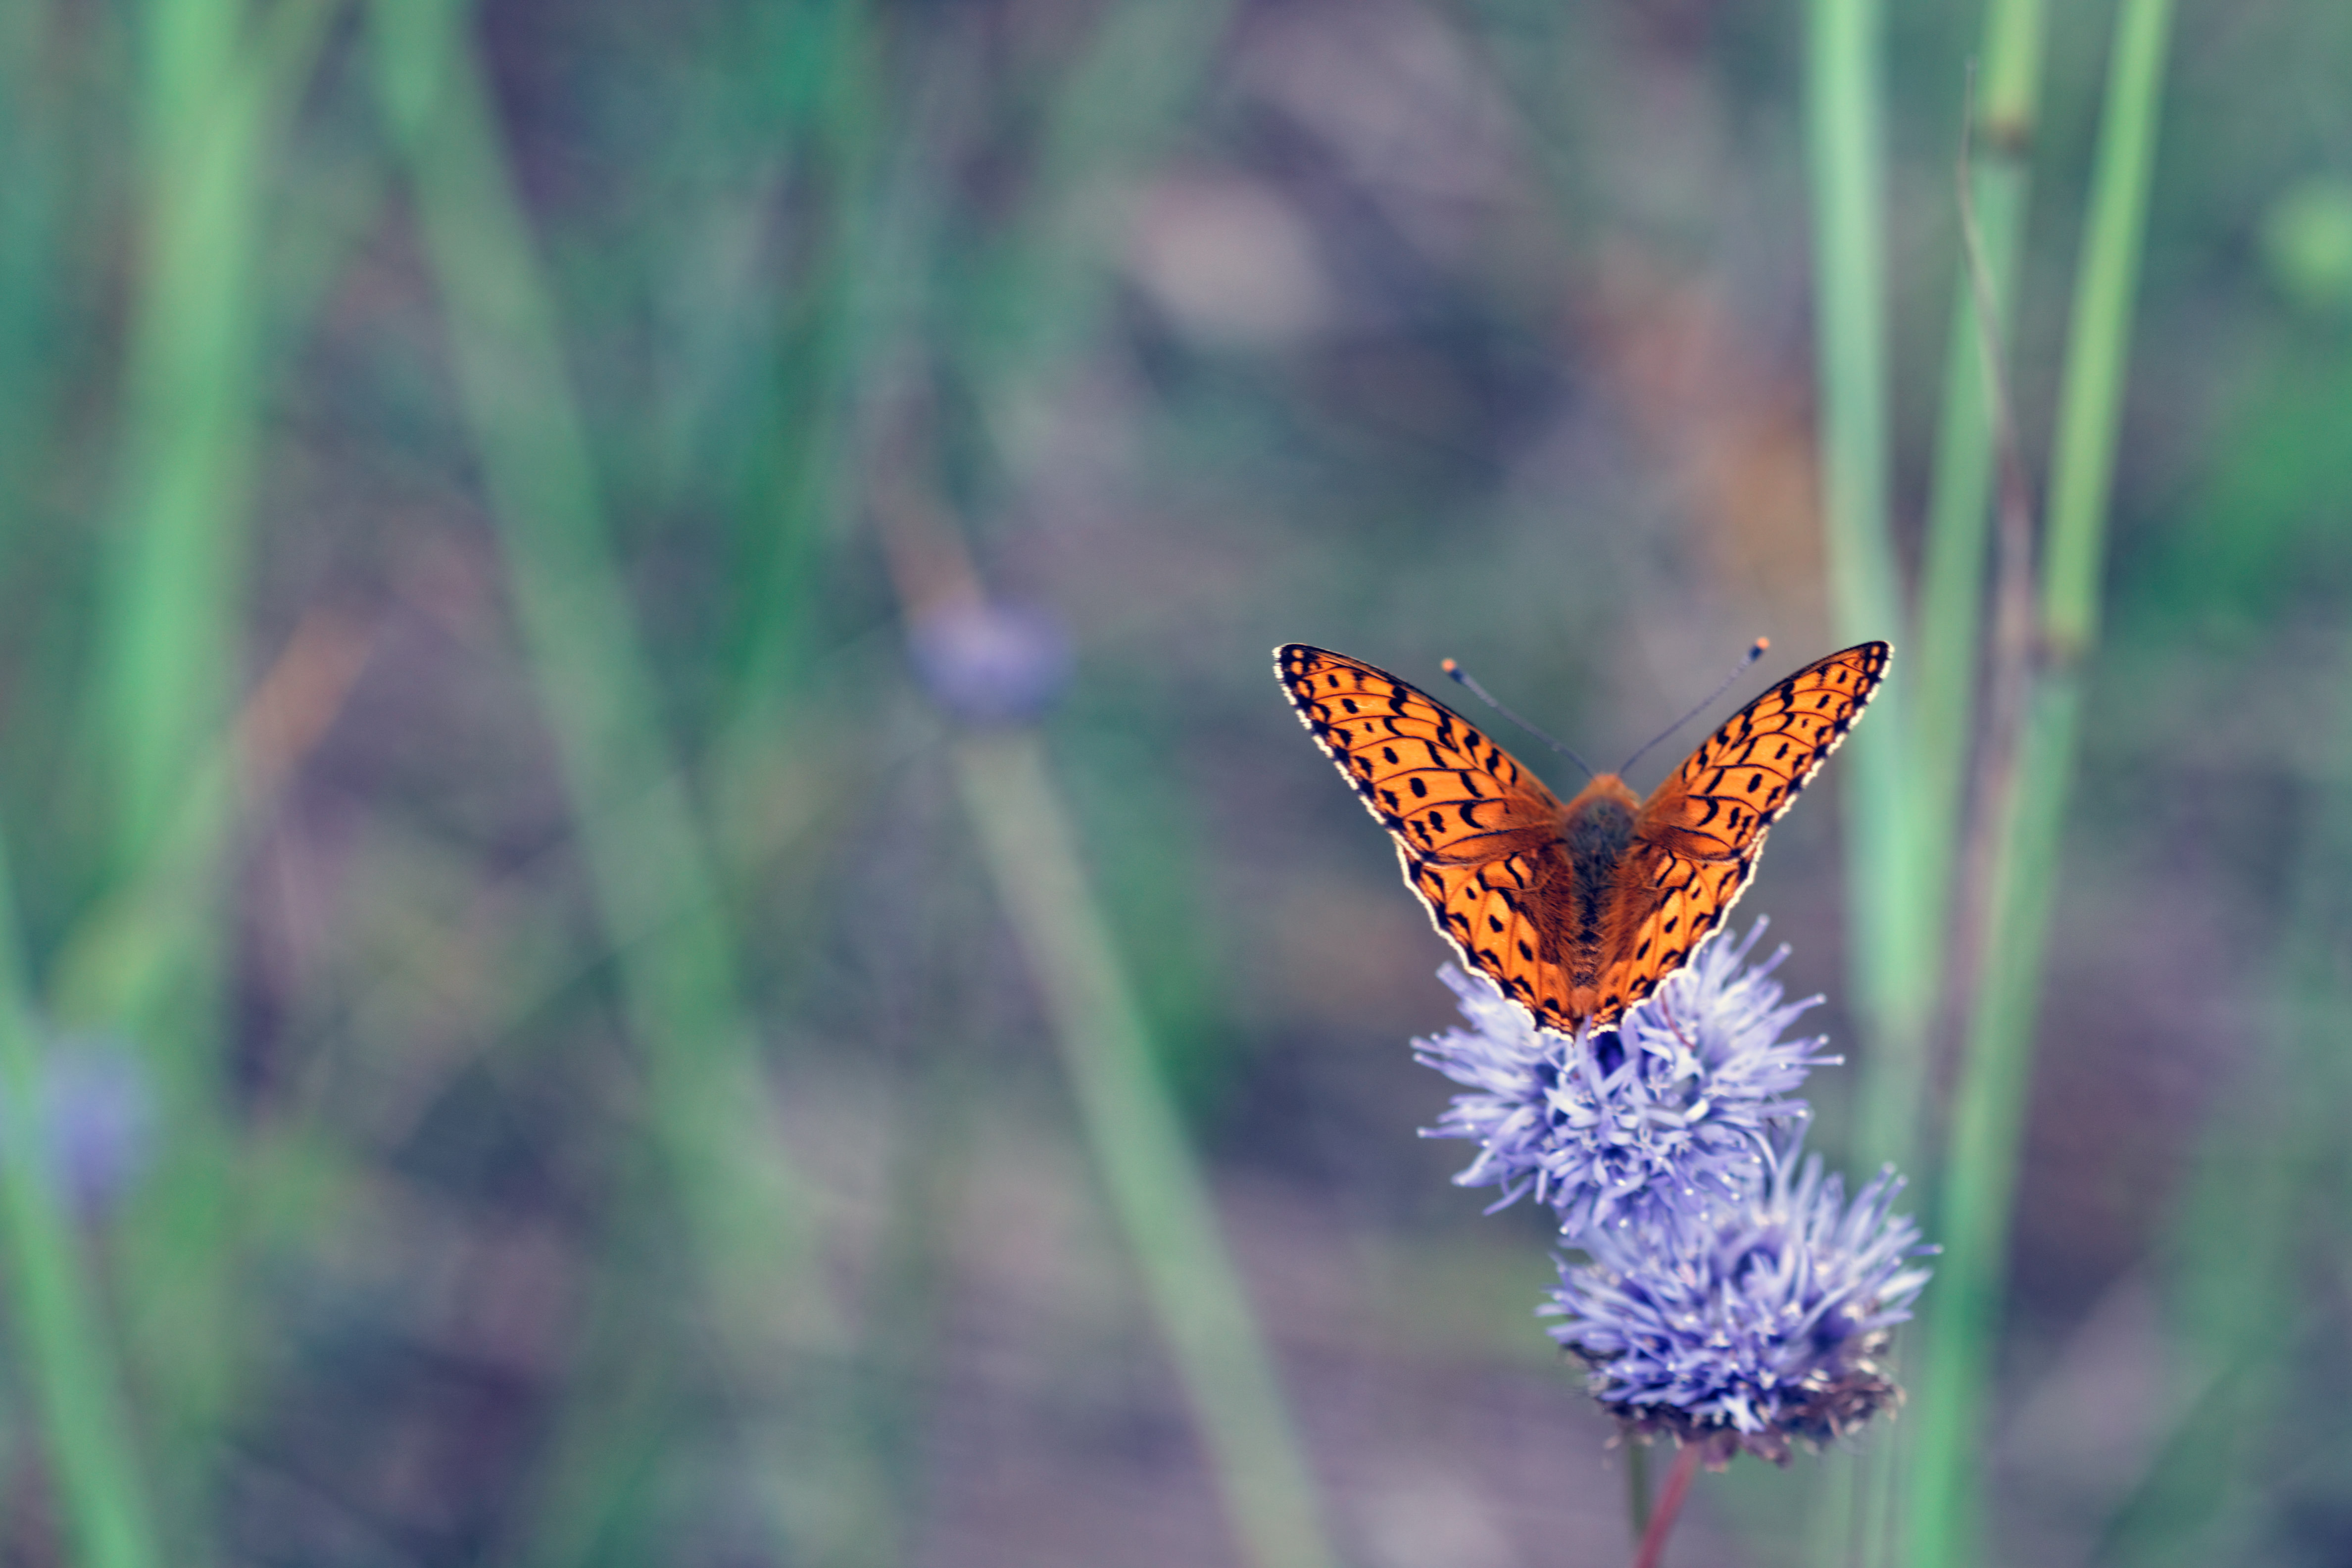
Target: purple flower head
{"x": 989, "y": 663}
{"x": 1671, "y": 1111}
{"x": 1752, "y": 1323}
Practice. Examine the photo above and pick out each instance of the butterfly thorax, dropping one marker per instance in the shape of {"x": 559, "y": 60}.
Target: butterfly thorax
{"x": 1596, "y": 827}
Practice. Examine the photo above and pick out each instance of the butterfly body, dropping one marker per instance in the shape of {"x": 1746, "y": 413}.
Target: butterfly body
{"x": 1577, "y": 910}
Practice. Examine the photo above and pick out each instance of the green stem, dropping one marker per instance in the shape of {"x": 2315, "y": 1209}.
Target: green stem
{"x": 2106, "y": 289}
{"x": 1155, "y": 1186}
{"x": 59, "y": 1329}
{"x": 840, "y": 321}
{"x": 217, "y": 93}
{"x": 1981, "y": 1164}
{"x": 148, "y": 962}
{"x": 1637, "y": 1486}
{"x": 1890, "y": 968}
{"x": 1988, "y": 1113}
{"x": 708, "y": 1098}
{"x": 1952, "y": 571}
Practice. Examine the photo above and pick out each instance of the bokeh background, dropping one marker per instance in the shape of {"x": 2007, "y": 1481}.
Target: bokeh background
{"x": 515, "y": 983}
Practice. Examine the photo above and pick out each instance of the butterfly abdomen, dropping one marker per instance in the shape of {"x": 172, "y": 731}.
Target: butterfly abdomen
{"x": 1594, "y": 830}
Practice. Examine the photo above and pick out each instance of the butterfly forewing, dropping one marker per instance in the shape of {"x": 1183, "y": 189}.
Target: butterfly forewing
{"x": 1477, "y": 834}
{"x": 1744, "y": 776}
{"x": 1698, "y": 835}
{"x": 1430, "y": 775}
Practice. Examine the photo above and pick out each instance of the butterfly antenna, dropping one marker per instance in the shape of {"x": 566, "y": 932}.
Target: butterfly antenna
{"x": 1464, "y": 677}
{"x": 1755, "y": 652}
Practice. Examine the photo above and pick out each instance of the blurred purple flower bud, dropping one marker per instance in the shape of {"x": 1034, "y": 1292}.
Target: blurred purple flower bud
{"x": 97, "y": 1118}
{"x": 989, "y": 663}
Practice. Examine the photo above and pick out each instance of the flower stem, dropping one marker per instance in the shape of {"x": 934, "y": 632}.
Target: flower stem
{"x": 149, "y": 960}
{"x": 708, "y": 1101}
{"x": 1637, "y": 1486}
{"x": 1995, "y": 190}
{"x": 1892, "y": 961}
{"x": 1670, "y": 1504}
{"x": 1153, "y": 1183}
{"x": 2023, "y": 845}
{"x": 59, "y": 1332}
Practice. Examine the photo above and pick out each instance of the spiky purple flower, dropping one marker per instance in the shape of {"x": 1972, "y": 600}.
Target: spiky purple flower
{"x": 1750, "y": 1323}
{"x": 1670, "y": 1111}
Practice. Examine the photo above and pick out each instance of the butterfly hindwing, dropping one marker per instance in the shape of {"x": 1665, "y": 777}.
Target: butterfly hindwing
{"x": 1498, "y": 917}
{"x": 1663, "y": 907}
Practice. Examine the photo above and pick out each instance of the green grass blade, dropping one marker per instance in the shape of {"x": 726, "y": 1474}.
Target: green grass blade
{"x": 1038, "y": 296}
{"x": 33, "y": 207}
{"x": 1980, "y": 1177}
{"x": 707, "y": 1095}
{"x": 1954, "y": 564}
{"x": 1891, "y": 1114}
{"x": 148, "y": 962}
{"x": 2107, "y": 288}
{"x": 1890, "y": 969}
{"x": 1155, "y": 1186}
{"x": 60, "y": 1333}
{"x": 1981, "y": 1162}
{"x": 217, "y": 90}
{"x": 839, "y": 319}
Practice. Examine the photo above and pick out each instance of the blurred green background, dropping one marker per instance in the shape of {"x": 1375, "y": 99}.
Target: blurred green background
{"x": 513, "y": 972}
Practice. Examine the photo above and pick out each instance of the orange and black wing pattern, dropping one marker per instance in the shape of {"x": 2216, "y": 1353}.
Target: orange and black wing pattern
{"x": 1478, "y": 835}
{"x": 1486, "y": 846}
{"x": 1698, "y": 834}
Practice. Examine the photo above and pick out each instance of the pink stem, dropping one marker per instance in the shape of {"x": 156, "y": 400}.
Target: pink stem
{"x": 1670, "y": 1503}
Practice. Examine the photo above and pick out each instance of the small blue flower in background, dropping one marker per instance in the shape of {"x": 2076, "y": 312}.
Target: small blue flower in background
{"x": 96, "y": 1114}
{"x": 1671, "y": 1111}
{"x": 99, "y": 1114}
{"x": 989, "y": 663}
{"x": 1750, "y": 1324}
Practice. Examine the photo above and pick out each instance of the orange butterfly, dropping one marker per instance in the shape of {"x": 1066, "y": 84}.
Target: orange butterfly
{"x": 1576, "y": 911}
